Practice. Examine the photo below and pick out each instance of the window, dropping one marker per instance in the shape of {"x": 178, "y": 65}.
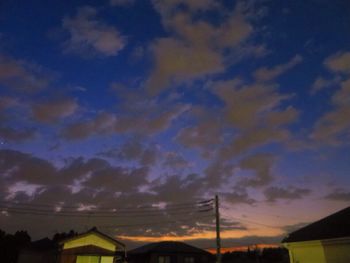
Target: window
{"x": 106, "y": 260}
{"x": 94, "y": 259}
{"x": 189, "y": 259}
{"x": 164, "y": 259}
{"x": 88, "y": 259}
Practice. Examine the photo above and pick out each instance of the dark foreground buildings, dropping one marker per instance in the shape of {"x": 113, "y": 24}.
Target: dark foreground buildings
{"x": 89, "y": 247}
{"x": 169, "y": 252}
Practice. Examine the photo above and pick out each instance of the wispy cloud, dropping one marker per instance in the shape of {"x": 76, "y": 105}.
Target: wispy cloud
{"x": 52, "y": 111}
{"x": 22, "y": 76}
{"x": 90, "y": 35}
{"x": 268, "y": 74}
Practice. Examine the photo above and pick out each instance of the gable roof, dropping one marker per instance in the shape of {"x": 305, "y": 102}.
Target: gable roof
{"x": 94, "y": 231}
{"x": 336, "y": 225}
{"x": 168, "y": 247}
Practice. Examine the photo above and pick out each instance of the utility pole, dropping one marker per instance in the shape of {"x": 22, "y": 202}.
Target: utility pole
{"x": 218, "y": 241}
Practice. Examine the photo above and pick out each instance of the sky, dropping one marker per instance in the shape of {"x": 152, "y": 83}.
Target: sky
{"x": 140, "y": 109}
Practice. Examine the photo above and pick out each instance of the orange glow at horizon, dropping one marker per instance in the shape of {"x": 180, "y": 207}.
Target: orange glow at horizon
{"x": 242, "y": 248}
{"x": 207, "y": 235}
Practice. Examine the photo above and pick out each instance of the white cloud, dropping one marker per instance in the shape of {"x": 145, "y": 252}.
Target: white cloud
{"x": 52, "y": 111}
{"x": 321, "y": 83}
{"x": 268, "y": 74}
{"x": 339, "y": 62}
{"x": 21, "y": 75}
{"x": 121, "y": 2}
{"x": 196, "y": 48}
{"x": 334, "y": 126}
{"x": 88, "y": 34}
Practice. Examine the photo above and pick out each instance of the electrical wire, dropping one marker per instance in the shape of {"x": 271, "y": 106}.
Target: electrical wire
{"x": 199, "y": 207}
{"x": 154, "y": 223}
{"x": 95, "y": 214}
{"x": 95, "y": 211}
{"x": 173, "y": 206}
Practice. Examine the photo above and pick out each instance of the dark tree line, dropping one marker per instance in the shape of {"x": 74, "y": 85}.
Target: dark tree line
{"x": 266, "y": 255}
{"x": 11, "y": 244}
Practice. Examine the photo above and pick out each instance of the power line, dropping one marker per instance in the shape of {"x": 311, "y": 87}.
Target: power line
{"x": 156, "y": 222}
{"x": 97, "y": 213}
{"x": 201, "y": 208}
{"x": 173, "y": 206}
{"x": 252, "y": 222}
{"x": 265, "y": 214}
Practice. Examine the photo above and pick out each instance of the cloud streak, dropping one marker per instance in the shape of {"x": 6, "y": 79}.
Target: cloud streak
{"x": 89, "y": 34}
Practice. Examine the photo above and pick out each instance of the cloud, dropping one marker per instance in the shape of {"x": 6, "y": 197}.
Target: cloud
{"x": 261, "y": 164}
{"x": 339, "y": 62}
{"x": 245, "y": 104}
{"x": 121, "y": 2}
{"x": 190, "y": 187}
{"x": 52, "y": 111}
{"x": 95, "y": 174}
{"x": 321, "y": 83}
{"x": 205, "y": 132}
{"x": 97, "y": 184}
{"x": 140, "y": 117}
{"x": 234, "y": 31}
{"x": 7, "y": 102}
{"x": 21, "y": 75}
{"x": 89, "y": 35}
{"x": 274, "y": 193}
{"x": 238, "y": 196}
{"x": 175, "y": 161}
{"x": 217, "y": 173}
{"x": 254, "y": 112}
{"x": 103, "y": 123}
{"x": 177, "y": 62}
{"x": 116, "y": 178}
{"x": 196, "y": 48}
{"x": 268, "y": 74}
{"x": 334, "y": 126}
{"x": 27, "y": 168}
{"x": 294, "y": 227}
{"x": 252, "y": 139}
{"x": 16, "y": 134}
{"x": 339, "y": 195}
{"x": 166, "y": 7}
{"x": 133, "y": 150}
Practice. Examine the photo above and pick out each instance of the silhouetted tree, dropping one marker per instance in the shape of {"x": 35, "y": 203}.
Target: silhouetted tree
{"x": 10, "y": 245}
{"x": 63, "y": 235}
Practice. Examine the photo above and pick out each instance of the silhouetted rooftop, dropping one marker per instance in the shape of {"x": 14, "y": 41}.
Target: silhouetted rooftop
{"x": 167, "y": 246}
{"x": 96, "y": 231}
{"x": 336, "y": 225}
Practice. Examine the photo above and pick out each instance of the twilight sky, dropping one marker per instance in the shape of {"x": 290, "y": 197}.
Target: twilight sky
{"x": 128, "y": 103}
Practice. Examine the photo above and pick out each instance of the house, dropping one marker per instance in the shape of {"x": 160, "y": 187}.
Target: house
{"x": 324, "y": 241}
{"x": 91, "y": 247}
{"x": 169, "y": 252}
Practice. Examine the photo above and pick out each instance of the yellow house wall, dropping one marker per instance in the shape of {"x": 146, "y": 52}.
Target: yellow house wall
{"x": 307, "y": 254}
{"x": 337, "y": 253}
{"x": 91, "y": 239}
{"x": 331, "y": 251}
